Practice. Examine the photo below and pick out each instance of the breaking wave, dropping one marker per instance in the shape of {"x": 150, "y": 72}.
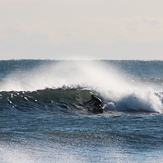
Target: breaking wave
{"x": 64, "y": 86}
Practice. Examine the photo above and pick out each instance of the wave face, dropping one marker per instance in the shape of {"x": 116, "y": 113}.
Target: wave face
{"x": 63, "y": 86}
{"x": 60, "y": 101}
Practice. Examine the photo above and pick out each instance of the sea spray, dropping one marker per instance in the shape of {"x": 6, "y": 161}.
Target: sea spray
{"x": 28, "y": 153}
{"x": 66, "y": 73}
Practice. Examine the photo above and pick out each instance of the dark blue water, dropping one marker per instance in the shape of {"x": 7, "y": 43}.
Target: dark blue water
{"x": 43, "y": 117}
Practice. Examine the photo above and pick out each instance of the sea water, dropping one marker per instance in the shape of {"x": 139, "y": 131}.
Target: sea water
{"x": 43, "y": 117}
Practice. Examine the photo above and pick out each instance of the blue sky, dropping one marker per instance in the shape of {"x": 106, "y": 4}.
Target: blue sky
{"x": 81, "y": 29}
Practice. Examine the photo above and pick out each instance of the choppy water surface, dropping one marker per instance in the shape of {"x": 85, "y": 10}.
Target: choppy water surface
{"x": 43, "y": 117}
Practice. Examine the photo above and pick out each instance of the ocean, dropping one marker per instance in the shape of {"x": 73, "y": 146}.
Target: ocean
{"x": 44, "y": 117}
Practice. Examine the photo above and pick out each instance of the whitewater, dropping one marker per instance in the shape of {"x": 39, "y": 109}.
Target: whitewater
{"x": 43, "y": 116}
